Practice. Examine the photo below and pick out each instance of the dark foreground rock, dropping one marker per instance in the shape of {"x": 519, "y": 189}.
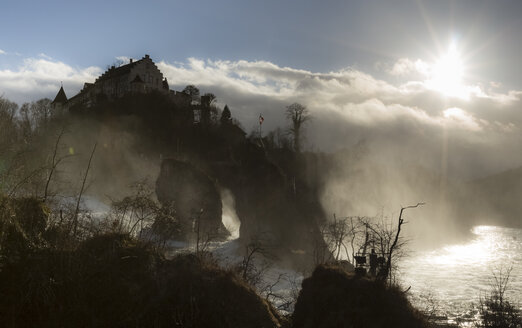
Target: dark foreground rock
{"x": 114, "y": 281}
{"x": 200, "y": 294}
{"x": 334, "y": 298}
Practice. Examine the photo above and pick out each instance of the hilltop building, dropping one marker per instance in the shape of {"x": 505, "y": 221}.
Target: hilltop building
{"x": 140, "y": 76}
{"x": 60, "y": 100}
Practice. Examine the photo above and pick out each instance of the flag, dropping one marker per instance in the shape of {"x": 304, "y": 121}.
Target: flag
{"x": 261, "y": 119}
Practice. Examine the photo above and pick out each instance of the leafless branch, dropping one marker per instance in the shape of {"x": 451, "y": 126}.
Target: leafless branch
{"x": 77, "y": 210}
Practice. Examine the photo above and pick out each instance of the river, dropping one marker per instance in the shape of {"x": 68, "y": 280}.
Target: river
{"x": 450, "y": 280}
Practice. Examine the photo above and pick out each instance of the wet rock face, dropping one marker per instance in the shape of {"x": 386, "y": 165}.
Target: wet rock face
{"x": 266, "y": 203}
{"x": 268, "y": 207}
{"x": 192, "y": 194}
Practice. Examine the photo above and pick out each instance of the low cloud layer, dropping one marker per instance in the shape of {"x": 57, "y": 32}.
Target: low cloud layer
{"x": 40, "y": 77}
{"x": 475, "y": 128}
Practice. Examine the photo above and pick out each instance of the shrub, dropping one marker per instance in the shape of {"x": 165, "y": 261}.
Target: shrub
{"x": 495, "y": 310}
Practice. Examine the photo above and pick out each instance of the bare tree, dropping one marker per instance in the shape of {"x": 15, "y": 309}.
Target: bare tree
{"x": 136, "y": 211}
{"x": 349, "y": 237}
{"x": 254, "y": 265}
{"x": 298, "y": 116}
{"x": 385, "y": 273}
{"x": 8, "y": 126}
{"x": 82, "y": 189}
{"x": 495, "y": 310}
{"x": 41, "y": 113}
{"x": 55, "y": 161}
{"x": 342, "y": 236}
{"x": 337, "y": 232}
{"x": 192, "y": 91}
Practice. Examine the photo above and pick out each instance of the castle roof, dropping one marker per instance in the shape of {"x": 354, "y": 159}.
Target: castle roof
{"x": 114, "y": 72}
{"x": 60, "y": 98}
{"x": 117, "y": 71}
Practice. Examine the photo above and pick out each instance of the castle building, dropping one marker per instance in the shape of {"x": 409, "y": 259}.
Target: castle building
{"x": 140, "y": 76}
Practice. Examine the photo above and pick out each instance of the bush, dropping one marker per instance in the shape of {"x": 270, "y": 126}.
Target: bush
{"x": 23, "y": 222}
{"x": 115, "y": 280}
{"x": 495, "y": 310}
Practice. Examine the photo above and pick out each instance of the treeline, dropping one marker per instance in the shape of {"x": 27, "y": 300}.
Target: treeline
{"x": 22, "y": 130}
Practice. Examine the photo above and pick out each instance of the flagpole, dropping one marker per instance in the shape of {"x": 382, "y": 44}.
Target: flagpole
{"x": 261, "y": 119}
{"x": 260, "y": 125}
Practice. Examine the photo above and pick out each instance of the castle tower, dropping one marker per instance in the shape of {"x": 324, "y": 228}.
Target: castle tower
{"x": 60, "y": 100}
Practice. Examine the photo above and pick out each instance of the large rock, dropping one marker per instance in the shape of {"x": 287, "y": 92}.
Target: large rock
{"x": 266, "y": 201}
{"x": 193, "y": 195}
{"x": 269, "y": 208}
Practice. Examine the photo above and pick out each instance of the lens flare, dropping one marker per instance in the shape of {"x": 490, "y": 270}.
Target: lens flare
{"x": 446, "y": 74}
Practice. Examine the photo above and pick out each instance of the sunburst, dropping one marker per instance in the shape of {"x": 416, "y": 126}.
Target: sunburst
{"x": 447, "y": 74}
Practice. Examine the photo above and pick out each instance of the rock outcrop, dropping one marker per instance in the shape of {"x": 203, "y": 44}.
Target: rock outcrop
{"x": 332, "y": 297}
{"x": 193, "y": 195}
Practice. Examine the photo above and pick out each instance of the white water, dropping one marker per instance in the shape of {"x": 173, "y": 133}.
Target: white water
{"x": 451, "y": 279}
{"x": 229, "y": 217}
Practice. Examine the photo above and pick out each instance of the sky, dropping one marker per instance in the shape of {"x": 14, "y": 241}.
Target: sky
{"x": 437, "y": 77}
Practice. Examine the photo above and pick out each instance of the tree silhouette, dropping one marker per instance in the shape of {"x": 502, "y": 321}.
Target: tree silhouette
{"x": 226, "y": 116}
{"x": 298, "y": 116}
{"x": 192, "y": 91}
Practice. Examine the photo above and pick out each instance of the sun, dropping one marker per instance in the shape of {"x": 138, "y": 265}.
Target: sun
{"x": 446, "y": 74}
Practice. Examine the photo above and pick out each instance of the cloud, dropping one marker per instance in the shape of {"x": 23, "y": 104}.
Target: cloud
{"x": 463, "y": 119}
{"x": 123, "y": 60}
{"x": 42, "y": 55}
{"x": 41, "y": 77}
{"x": 351, "y": 93}
{"x": 406, "y": 66}
{"x": 2, "y": 52}
{"x": 348, "y": 105}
